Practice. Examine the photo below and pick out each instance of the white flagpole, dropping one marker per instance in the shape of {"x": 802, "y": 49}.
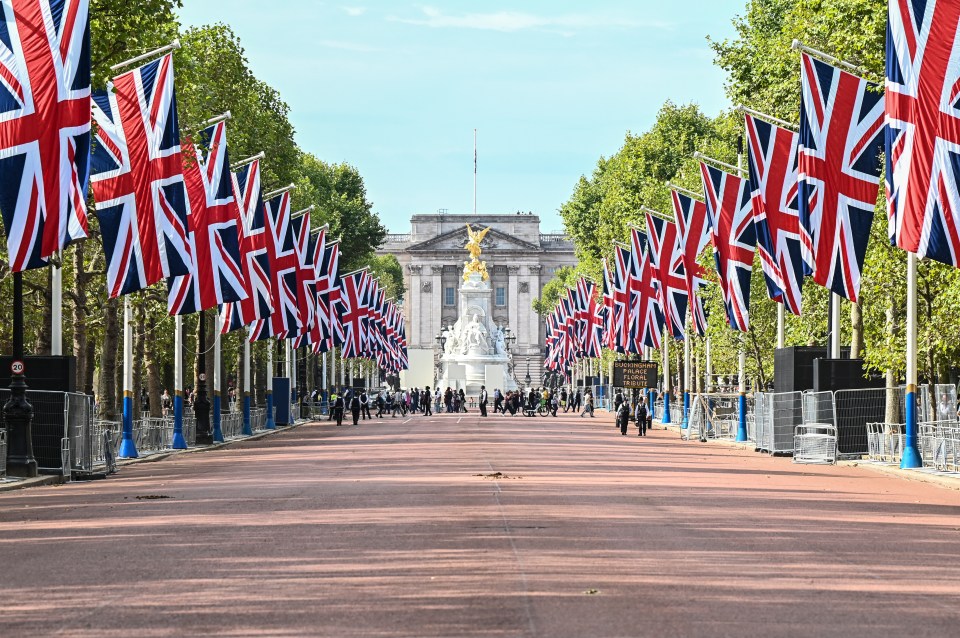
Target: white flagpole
{"x": 56, "y": 311}
{"x": 217, "y": 399}
{"x": 247, "y": 426}
{"x": 666, "y": 379}
{"x": 474, "y": 172}
{"x": 911, "y": 453}
{"x": 128, "y": 446}
{"x": 835, "y": 325}
{"x": 173, "y": 46}
{"x": 179, "y": 442}
{"x": 709, "y": 367}
{"x": 686, "y": 376}
{"x": 781, "y": 326}
{"x": 271, "y": 424}
{"x": 742, "y": 371}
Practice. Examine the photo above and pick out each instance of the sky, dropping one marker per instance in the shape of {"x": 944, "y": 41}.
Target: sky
{"x": 397, "y": 89}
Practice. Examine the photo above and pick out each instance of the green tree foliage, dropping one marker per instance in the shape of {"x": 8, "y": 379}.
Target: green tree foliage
{"x": 387, "y": 269}
{"x": 554, "y": 290}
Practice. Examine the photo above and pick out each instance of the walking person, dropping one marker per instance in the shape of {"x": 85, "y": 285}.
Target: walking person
{"x": 425, "y": 401}
{"x": 563, "y": 399}
{"x": 448, "y": 400}
{"x": 463, "y": 401}
{"x": 355, "y": 407}
{"x": 641, "y": 417}
{"x": 587, "y": 403}
{"x": 623, "y": 417}
{"x": 577, "y": 400}
{"x": 337, "y": 412}
{"x": 364, "y": 405}
{"x": 482, "y": 401}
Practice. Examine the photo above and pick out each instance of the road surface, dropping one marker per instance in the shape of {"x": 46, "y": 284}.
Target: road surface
{"x": 461, "y": 526}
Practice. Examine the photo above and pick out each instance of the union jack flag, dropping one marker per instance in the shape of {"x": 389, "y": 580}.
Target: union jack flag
{"x": 646, "y": 312}
{"x": 734, "y": 240}
{"x": 215, "y": 228}
{"x": 666, "y": 261}
{"x": 693, "y": 226}
{"x": 306, "y": 274}
{"x": 44, "y": 126}
{"x": 137, "y": 177}
{"x": 841, "y": 135}
{"x": 609, "y": 329}
{"x": 332, "y": 287}
{"x": 316, "y": 335}
{"x": 772, "y": 158}
{"x": 621, "y": 300}
{"x": 591, "y": 319}
{"x": 253, "y": 250}
{"x": 923, "y": 128}
{"x": 351, "y": 312}
{"x": 282, "y": 252}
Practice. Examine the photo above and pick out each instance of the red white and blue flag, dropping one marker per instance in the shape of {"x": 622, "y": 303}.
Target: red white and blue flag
{"x": 215, "y": 228}
{"x": 44, "y": 126}
{"x": 352, "y": 314}
{"x": 666, "y": 260}
{"x": 137, "y": 178}
{"x": 923, "y": 128}
{"x": 841, "y": 136}
{"x": 734, "y": 240}
{"x": 646, "y": 312}
{"x": 590, "y": 319}
{"x": 253, "y": 250}
{"x": 282, "y": 251}
{"x": 772, "y": 159}
{"x": 693, "y": 226}
{"x": 306, "y": 275}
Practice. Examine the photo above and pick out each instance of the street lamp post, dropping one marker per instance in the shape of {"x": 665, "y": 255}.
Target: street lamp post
{"x": 441, "y": 340}
{"x": 201, "y": 406}
{"x": 18, "y": 413}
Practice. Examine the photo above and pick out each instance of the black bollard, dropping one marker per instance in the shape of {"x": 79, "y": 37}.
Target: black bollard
{"x": 201, "y": 406}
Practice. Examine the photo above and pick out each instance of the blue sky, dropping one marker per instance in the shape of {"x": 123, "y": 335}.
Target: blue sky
{"x": 397, "y": 88}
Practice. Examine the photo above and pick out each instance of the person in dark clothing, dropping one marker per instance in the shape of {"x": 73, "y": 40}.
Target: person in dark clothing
{"x": 414, "y": 400}
{"x": 364, "y": 406}
{"x": 337, "y": 412}
{"x": 355, "y": 407}
{"x": 641, "y": 417}
{"x": 577, "y": 401}
{"x": 463, "y": 401}
{"x": 482, "y": 401}
{"x": 448, "y": 400}
{"x": 425, "y": 401}
{"x": 563, "y": 400}
{"x": 623, "y": 417}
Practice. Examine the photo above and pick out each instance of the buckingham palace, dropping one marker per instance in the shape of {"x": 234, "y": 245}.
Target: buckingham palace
{"x": 520, "y": 259}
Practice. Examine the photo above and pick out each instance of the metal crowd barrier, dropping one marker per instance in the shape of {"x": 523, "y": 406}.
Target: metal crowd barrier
{"x": 258, "y": 419}
{"x": 231, "y": 425}
{"x": 777, "y": 416}
{"x": 3, "y": 452}
{"x": 815, "y": 443}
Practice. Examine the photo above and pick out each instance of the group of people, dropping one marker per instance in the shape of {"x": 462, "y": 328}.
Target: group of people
{"x": 639, "y": 413}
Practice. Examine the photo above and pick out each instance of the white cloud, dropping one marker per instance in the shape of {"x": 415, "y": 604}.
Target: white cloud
{"x": 510, "y": 21}
{"x": 354, "y": 11}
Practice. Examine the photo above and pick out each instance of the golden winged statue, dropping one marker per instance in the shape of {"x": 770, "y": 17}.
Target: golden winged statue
{"x": 473, "y": 247}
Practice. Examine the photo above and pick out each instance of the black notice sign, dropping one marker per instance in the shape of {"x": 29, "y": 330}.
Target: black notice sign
{"x": 635, "y": 374}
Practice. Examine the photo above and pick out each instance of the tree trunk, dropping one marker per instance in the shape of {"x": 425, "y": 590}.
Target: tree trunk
{"x": 91, "y": 363}
{"x": 43, "y": 330}
{"x": 108, "y": 362}
{"x": 260, "y": 378}
{"x": 856, "y": 331}
{"x": 151, "y": 360}
{"x": 238, "y": 389}
{"x": 80, "y": 318}
{"x": 139, "y": 334}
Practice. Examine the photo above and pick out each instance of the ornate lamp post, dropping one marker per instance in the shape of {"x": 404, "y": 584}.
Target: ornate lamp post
{"x": 201, "y": 405}
{"x": 18, "y": 413}
{"x": 527, "y": 380}
{"x": 441, "y": 340}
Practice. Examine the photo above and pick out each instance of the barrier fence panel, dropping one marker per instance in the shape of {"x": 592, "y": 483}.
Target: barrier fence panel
{"x": 818, "y": 408}
{"x": 777, "y": 416}
{"x": 258, "y": 419}
{"x": 945, "y": 400}
{"x": 3, "y": 452}
{"x": 854, "y": 409}
{"x": 815, "y": 443}
{"x": 696, "y": 425}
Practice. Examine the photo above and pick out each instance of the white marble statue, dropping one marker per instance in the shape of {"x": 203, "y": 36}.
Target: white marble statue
{"x": 499, "y": 341}
{"x": 475, "y": 336}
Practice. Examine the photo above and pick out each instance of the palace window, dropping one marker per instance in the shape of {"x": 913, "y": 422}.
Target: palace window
{"x": 501, "y": 296}
{"x": 449, "y": 296}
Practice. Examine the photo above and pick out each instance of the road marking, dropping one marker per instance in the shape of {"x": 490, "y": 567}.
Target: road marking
{"x": 460, "y": 419}
{"x": 408, "y": 420}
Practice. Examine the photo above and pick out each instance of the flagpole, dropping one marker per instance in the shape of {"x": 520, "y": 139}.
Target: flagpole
{"x": 835, "y": 325}
{"x": 201, "y": 405}
{"x": 742, "y": 358}
{"x": 128, "y": 447}
{"x": 270, "y": 424}
{"x": 474, "y": 172}
{"x": 250, "y": 160}
{"x": 911, "y": 454}
{"x": 247, "y": 426}
{"x": 173, "y": 46}
{"x": 666, "y": 378}
{"x": 686, "y": 376}
{"x": 709, "y": 367}
{"x": 179, "y": 442}
{"x": 217, "y": 421}
{"x": 56, "y": 311}
{"x": 685, "y": 191}
{"x": 781, "y": 326}
{"x": 294, "y": 390}
{"x": 797, "y": 45}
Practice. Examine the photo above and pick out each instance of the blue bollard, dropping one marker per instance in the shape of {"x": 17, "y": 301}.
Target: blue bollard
{"x": 217, "y": 432}
{"x": 128, "y": 447}
{"x": 270, "y": 425}
{"x": 179, "y": 443}
{"x": 911, "y": 453}
{"x": 742, "y": 421}
{"x": 666, "y": 408}
{"x": 247, "y": 429}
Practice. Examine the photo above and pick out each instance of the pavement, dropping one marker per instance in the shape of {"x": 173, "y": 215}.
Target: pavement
{"x": 461, "y": 526}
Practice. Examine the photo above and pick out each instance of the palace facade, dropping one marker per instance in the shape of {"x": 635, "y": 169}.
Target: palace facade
{"x": 520, "y": 260}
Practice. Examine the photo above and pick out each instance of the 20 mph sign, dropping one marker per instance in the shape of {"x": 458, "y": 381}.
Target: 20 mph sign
{"x": 16, "y": 367}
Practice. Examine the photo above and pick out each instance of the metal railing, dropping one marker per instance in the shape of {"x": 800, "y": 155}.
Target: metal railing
{"x": 231, "y": 425}
{"x": 3, "y": 452}
{"x": 258, "y": 419}
{"x": 815, "y": 443}
{"x": 777, "y": 416}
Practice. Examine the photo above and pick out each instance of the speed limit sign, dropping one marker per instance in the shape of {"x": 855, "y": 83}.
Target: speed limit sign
{"x": 16, "y": 367}
{"x": 203, "y": 377}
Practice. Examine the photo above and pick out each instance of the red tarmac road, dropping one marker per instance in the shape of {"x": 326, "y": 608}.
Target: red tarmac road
{"x": 397, "y": 528}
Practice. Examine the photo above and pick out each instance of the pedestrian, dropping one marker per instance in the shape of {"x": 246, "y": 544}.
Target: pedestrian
{"x": 577, "y": 400}
{"x": 166, "y": 402}
{"x": 355, "y": 407}
{"x": 333, "y": 400}
{"x": 641, "y": 417}
{"x": 587, "y": 403}
{"x": 448, "y": 400}
{"x": 337, "y": 412}
{"x": 365, "y": 405}
{"x": 497, "y": 401}
{"x": 482, "y": 401}
{"x": 563, "y": 399}
{"x": 623, "y": 417}
{"x": 425, "y": 401}
{"x": 414, "y": 400}
{"x": 463, "y": 401}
